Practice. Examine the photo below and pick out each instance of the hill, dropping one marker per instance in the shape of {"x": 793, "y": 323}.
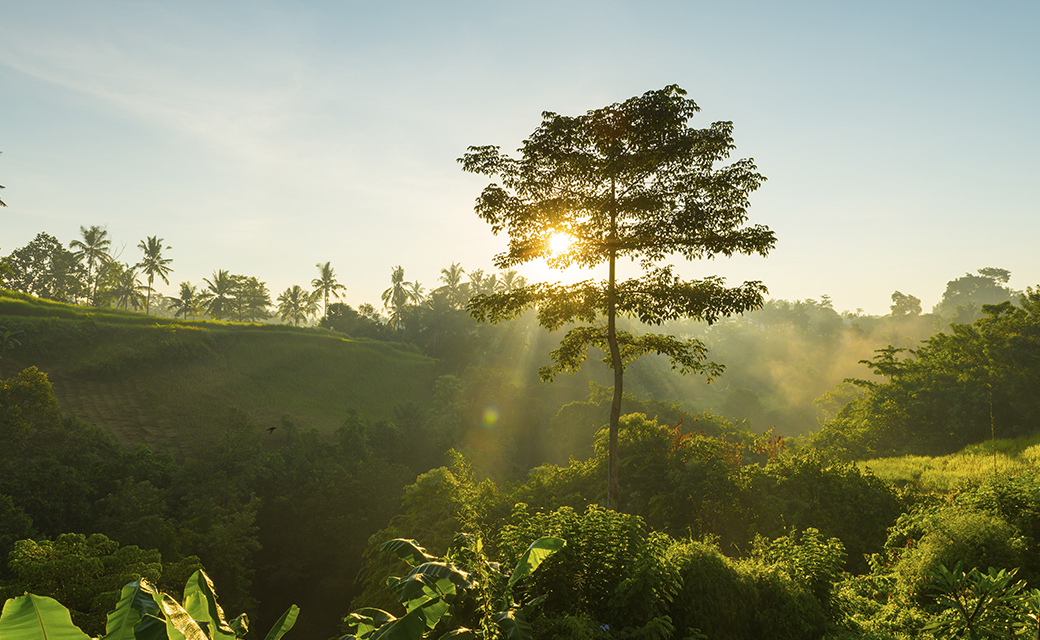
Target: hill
{"x": 156, "y": 381}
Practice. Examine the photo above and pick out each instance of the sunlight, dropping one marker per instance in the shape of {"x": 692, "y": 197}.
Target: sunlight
{"x": 560, "y": 242}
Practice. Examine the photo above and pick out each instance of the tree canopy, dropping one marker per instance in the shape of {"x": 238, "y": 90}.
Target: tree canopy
{"x": 628, "y": 180}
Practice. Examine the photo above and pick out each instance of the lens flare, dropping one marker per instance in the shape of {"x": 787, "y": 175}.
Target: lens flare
{"x": 490, "y": 416}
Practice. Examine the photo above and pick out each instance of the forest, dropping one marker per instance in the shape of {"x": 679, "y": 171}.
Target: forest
{"x": 448, "y": 465}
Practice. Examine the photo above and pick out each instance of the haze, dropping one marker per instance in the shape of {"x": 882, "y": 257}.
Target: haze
{"x": 263, "y": 138}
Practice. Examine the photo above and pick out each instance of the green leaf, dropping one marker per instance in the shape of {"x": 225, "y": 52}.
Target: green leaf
{"x": 284, "y": 623}
{"x": 407, "y": 550}
{"x": 31, "y": 617}
{"x": 179, "y": 625}
{"x": 150, "y": 627}
{"x": 135, "y": 601}
{"x": 462, "y": 633}
{"x": 408, "y": 627}
{"x": 240, "y": 625}
{"x": 513, "y": 625}
{"x": 200, "y": 602}
{"x": 366, "y": 620}
{"x": 539, "y": 550}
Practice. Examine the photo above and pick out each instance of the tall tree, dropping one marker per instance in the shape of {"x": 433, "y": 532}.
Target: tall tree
{"x": 628, "y": 180}
{"x": 455, "y": 290}
{"x": 964, "y": 297}
{"x": 511, "y": 280}
{"x": 126, "y": 290}
{"x": 44, "y": 268}
{"x": 93, "y": 251}
{"x": 153, "y": 264}
{"x": 296, "y": 304}
{"x": 327, "y": 285}
{"x": 396, "y": 297}
{"x": 188, "y": 302}
{"x": 219, "y": 296}
{"x": 251, "y": 299}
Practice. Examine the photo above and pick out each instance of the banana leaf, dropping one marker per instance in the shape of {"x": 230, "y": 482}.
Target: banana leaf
{"x": 32, "y": 617}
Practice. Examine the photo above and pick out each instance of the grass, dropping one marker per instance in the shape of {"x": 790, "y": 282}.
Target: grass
{"x": 156, "y": 381}
{"x": 974, "y": 462}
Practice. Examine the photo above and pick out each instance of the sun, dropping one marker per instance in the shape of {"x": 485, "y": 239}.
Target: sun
{"x": 560, "y": 242}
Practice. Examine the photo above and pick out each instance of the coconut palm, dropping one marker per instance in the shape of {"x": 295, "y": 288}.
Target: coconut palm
{"x": 153, "y": 263}
{"x": 396, "y": 298}
{"x": 296, "y": 304}
{"x": 416, "y": 293}
{"x": 455, "y": 290}
{"x": 219, "y": 296}
{"x": 92, "y": 250}
{"x": 511, "y": 281}
{"x": 326, "y": 284}
{"x": 187, "y": 304}
{"x": 127, "y": 290}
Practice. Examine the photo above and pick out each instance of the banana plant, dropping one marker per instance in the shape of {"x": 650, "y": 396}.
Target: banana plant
{"x": 438, "y": 596}
{"x": 142, "y": 613}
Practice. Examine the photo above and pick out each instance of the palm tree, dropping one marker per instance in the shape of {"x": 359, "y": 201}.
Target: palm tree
{"x": 454, "y": 288}
{"x": 153, "y": 263}
{"x": 188, "y": 303}
{"x": 415, "y": 293}
{"x": 126, "y": 291}
{"x": 395, "y": 299}
{"x": 92, "y": 249}
{"x": 511, "y": 281}
{"x": 296, "y": 304}
{"x": 326, "y": 284}
{"x": 219, "y": 296}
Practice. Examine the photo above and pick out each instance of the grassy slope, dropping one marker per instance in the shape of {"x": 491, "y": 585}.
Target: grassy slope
{"x": 974, "y": 462}
{"x": 157, "y": 381}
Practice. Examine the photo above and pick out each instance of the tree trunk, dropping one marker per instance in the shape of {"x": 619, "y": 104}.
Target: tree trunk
{"x": 613, "y": 493}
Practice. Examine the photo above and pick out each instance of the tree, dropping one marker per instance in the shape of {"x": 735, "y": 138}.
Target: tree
{"x": 396, "y": 298}
{"x": 295, "y": 304}
{"x": 187, "y": 304}
{"x": 125, "y": 288}
{"x": 219, "y": 296}
{"x": 964, "y": 297}
{"x": 153, "y": 264}
{"x": 44, "y": 268}
{"x": 92, "y": 250}
{"x": 251, "y": 299}
{"x": 905, "y": 305}
{"x": 327, "y": 285}
{"x": 455, "y": 290}
{"x": 628, "y": 180}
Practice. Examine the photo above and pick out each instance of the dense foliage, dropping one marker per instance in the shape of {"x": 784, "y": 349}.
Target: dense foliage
{"x": 978, "y": 382}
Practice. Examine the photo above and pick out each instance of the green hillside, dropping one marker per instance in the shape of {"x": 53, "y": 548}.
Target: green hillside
{"x": 154, "y": 380}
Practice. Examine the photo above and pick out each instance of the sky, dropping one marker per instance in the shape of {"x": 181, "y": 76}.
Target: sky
{"x": 899, "y": 139}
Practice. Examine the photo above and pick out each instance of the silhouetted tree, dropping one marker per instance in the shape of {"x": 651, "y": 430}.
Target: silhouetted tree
{"x": 188, "y": 302}
{"x": 92, "y": 250}
{"x": 628, "y": 180}
{"x": 219, "y": 297}
{"x": 295, "y": 304}
{"x": 326, "y": 284}
{"x": 397, "y": 296}
{"x": 153, "y": 264}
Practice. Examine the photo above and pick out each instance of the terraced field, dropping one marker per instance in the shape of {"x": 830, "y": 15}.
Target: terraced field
{"x": 165, "y": 384}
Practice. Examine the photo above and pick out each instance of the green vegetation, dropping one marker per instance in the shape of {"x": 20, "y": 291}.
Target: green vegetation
{"x": 174, "y": 374}
{"x": 301, "y": 464}
{"x": 631, "y": 180}
{"x": 139, "y": 611}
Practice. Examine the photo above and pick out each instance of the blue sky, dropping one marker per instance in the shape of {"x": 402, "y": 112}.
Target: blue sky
{"x": 899, "y": 138}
